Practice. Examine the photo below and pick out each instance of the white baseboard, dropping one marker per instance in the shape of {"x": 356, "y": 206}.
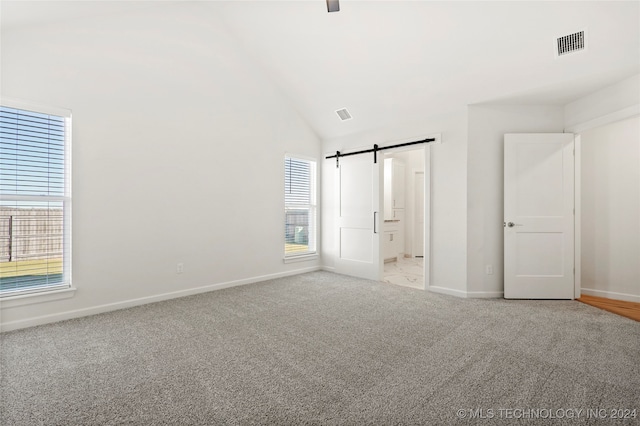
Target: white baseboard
{"x": 468, "y": 294}
{"x": 611, "y": 295}
{"x": 485, "y": 294}
{"x": 77, "y": 313}
{"x": 328, "y": 268}
{"x": 448, "y": 291}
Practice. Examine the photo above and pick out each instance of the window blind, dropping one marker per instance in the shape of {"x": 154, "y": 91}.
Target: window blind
{"x": 34, "y": 201}
{"x": 300, "y": 207}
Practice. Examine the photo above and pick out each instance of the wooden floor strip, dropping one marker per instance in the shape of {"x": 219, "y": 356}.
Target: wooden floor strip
{"x": 620, "y": 307}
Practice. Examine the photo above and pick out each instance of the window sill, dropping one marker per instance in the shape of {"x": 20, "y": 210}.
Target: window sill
{"x": 39, "y": 297}
{"x": 301, "y": 258}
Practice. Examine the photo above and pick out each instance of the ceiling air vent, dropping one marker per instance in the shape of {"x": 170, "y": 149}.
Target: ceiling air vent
{"x": 570, "y": 43}
{"x": 343, "y": 114}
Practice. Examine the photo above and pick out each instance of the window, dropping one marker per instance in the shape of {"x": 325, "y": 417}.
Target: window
{"x": 299, "y": 207}
{"x": 35, "y": 200}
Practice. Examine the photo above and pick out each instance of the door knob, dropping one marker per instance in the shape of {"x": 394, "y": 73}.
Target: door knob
{"x": 511, "y": 224}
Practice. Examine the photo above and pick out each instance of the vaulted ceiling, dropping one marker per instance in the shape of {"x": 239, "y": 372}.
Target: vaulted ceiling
{"x": 393, "y": 61}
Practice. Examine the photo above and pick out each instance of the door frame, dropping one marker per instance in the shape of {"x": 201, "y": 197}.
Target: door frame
{"x": 577, "y": 215}
{"x": 414, "y": 174}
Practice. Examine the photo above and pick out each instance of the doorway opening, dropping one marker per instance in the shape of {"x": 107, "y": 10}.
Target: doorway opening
{"x": 403, "y": 230}
{"x": 607, "y": 202}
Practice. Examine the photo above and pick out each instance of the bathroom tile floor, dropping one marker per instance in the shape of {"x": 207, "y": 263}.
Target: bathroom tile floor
{"x": 405, "y": 271}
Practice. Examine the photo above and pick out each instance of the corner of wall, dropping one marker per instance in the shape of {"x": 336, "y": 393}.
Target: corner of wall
{"x": 617, "y": 101}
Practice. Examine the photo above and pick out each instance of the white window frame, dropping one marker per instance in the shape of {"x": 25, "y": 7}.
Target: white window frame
{"x": 65, "y": 289}
{"x": 313, "y": 216}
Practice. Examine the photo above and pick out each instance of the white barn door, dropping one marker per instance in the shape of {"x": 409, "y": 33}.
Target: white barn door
{"x": 538, "y": 216}
{"x": 359, "y": 217}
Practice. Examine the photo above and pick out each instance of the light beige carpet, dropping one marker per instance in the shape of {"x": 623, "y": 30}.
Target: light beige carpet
{"x": 322, "y": 348}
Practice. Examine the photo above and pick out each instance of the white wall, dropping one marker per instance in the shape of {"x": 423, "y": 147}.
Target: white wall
{"x": 487, "y": 126}
{"x": 611, "y": 210}
{"x": 178, "y": 147}
{"x": 448, "y": 193}
{"x": 617, "y": 101}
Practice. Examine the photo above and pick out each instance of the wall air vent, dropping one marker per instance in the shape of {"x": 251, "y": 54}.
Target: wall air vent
{"x": 570, "y": 43}
{"x": 343, "y": 114}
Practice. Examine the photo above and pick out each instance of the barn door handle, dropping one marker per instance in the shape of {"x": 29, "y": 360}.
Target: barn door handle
{"x": 375, "y": 231}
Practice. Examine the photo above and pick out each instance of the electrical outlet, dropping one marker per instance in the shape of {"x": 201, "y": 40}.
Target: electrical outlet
{"x": 489, "y": 269}
{"x": 180, "y": 268}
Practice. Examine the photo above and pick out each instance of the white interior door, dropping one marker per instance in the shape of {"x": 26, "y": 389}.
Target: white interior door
{"x": 359, "y": 195}
{"x": 418, "y": 234}
{"x": 538, "y": 216}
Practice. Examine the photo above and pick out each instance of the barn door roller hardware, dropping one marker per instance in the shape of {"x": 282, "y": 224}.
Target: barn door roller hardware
{"x": 375, "y": 150}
